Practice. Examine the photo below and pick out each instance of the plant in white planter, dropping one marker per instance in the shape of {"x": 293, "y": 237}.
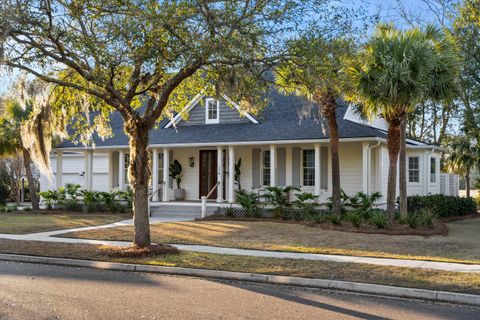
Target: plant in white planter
{"x": 176, "y": 174}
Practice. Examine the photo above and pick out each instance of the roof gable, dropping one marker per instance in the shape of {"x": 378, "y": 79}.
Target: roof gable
{"x": 228, "y": 112}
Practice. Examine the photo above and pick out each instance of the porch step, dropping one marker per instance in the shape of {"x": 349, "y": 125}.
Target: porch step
{"x": 180, "y": 210}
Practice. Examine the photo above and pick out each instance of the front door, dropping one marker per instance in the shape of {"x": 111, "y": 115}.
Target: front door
{"x": 208, "y": 172}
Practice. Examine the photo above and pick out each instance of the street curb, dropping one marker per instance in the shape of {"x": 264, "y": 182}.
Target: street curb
{"x": 391, "y": 291}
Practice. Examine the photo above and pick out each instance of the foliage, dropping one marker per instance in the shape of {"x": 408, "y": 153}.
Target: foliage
{"x": 306, "y": 202}
{"x": 4, "y": 189}
{"x": 442, "y": 205}
{"x": 229, "y": 211}
{"x": 52, "y": 197}
{"x": 278, "y": 198}
{"x": 426, "y": 218}
{"x": 364, "y": 204}
{"x": 127, "y": 196}
{"x": 355, "y": 218}
{"x": 379, "y": 219}
{"x": 335, "y": 218}
{"x": 249, "y": 202}
{"x": 176, "y": 172}
{"x": 238, "y": 173}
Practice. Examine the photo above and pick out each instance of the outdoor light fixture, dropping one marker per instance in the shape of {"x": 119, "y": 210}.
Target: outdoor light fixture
{"x": 191, "y": 161}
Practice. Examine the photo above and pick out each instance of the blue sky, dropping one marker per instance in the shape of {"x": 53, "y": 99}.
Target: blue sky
{"x": 386, "y": 9}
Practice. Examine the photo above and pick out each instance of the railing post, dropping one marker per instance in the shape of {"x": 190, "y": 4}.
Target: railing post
{"x": 204, "y": 206}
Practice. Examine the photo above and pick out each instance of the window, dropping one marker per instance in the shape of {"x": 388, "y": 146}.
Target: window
{"x": 308, "y": 164}
{"x": 413, "y": 169}
{"x": 212, "y": 110}
{"x": 160, "y": 168}
{"x": 433, "y": 170}
{"x": 266, "y": 168}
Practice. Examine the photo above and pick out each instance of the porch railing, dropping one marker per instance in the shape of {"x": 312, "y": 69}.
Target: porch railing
{"x": 150, "y": 197}
{"x": 204, "y": 199}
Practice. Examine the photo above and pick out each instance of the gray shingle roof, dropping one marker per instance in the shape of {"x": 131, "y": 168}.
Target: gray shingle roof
{"x": 279, "y": 121}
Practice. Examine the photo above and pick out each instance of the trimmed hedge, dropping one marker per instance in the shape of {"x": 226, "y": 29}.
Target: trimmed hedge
{"x": 442, "y": 205}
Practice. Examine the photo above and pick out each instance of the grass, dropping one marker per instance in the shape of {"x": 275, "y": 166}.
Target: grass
{"x": 461, "y": 245}
{"x": 23, "y": 223}
{"x": 396, "y": 276}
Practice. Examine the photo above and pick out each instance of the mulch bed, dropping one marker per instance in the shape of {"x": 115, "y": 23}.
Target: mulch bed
{"x": 440, "y": 228}
{"x": 137, "y": 252}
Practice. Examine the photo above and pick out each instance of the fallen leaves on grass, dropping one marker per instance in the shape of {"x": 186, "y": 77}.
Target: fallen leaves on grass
{"x": 140, "y": 252}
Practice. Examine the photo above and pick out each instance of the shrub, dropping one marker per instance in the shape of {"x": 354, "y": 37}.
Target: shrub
{"x": 278, "y": 198}
{"x": 334, "y": 218}
{"x": 354, "y": 217}
{"x": 426, "y": 218}
{"x": 306, "y": 202}
{"x": 249, "y": 202}
{"x": 379, "y": 219}
{"x": 442, "y": 205}
{"x": 412, "y": 219}
{"x": 229, "y": 211}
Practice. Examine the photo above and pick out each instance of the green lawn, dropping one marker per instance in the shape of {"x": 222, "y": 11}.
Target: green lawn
{"x": 461, "y": 245}
{"x": 405, "y": 277}
{"x": 24, "y": 222}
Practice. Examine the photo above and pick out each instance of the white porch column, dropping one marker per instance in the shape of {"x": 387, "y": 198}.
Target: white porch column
{"x": 59, "y": 170}
{"x": 317, "y": 169}
{"x": 166, "y": 182}
{"x": 231, "y": 174}
{"x": 288, "y": 161}
{"x": 365, "y": 167}
{"x": 273, "y": 165}
{"x": 121, "y": 169}
{"x": 155, "y": 174}
{"x": 220, "y": 174}
{"x": 88, "y": 158}
{"x": 110, "y": 170}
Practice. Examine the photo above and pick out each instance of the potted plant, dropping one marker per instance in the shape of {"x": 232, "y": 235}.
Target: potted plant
{"x": 176, "y": 174}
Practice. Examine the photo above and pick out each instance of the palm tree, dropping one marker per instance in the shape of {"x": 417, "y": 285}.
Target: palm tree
{"x": 14, "y": 116}
{"x": 399, "y": 70}
{"x": 314, "y": 72}
{"x": 463, "y": 156}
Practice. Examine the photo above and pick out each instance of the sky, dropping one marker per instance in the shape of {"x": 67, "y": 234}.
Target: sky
{"x": 385, "y": 8}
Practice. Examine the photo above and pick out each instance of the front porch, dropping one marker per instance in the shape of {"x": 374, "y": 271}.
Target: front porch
{"x": 210, "y": 169}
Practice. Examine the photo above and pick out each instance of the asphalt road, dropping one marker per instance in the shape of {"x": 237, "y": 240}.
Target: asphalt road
{"x": 33, "y": 291}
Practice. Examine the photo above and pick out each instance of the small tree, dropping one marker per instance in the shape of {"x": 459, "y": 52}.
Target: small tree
{"x": 463, "y": 156}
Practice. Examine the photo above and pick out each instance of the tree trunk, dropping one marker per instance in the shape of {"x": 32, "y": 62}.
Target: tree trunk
{"x": 467, "y": 182}
{"x": 327, "y": 103}
{"x": 403, "y": 167}
{"x": 27, "y": 162}
{"x": 393, "y": 145}
{"x": 336, "y": 189}
{"x": 138, "y": 174}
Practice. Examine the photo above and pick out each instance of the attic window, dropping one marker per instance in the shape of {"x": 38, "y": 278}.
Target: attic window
{"x": 212, "y": 114}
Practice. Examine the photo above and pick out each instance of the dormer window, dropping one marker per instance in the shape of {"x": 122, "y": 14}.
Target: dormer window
{"x": 212, "y": 110}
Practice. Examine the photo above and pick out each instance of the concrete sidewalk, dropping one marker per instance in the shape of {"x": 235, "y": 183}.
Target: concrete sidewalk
{"x": 50, "y": 236}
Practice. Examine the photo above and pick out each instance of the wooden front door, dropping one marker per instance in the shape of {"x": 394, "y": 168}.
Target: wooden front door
{"x": 208, "y": 172}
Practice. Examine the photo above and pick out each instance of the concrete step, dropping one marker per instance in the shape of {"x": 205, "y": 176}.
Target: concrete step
{"x": 180, "y": 210}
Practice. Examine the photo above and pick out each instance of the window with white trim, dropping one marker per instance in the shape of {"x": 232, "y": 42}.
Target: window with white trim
{"x": 212, "y": 110}
{"x": 308, "y": 167}
{"x": 413, "y": 169}
{"x": 433, "y": 170}
{"x": 266, "y": 168}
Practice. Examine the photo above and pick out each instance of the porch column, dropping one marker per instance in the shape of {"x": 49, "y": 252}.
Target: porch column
{"x": 110, "y": 170}
{"x": 59, "y": 170}
{"x": 155, "y": 174}
{"x": 317, "y": 169}
{"x": 273, "y": 165}
{"x": 121, "y": 169}
{"x": 166, "y": 182}
{"x": 289, "y": 165}
{"x": 88, "y": 158}
{"x": 365, "y": 167}
{"x": 220, "y": 174}
{"x": 231, "y": 174}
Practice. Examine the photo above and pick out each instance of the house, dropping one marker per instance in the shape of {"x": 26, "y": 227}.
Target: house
{"x": 285, "y": 145}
